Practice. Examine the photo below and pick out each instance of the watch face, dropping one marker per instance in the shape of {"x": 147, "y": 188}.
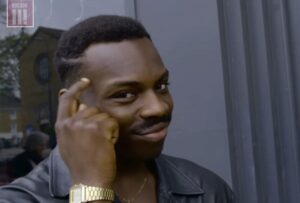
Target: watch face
{"x": 76, "y": 194}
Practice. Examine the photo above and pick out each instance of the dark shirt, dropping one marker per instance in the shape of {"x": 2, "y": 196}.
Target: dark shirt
{"x": 179, "y": 181}
{"x": 23, "y": 163}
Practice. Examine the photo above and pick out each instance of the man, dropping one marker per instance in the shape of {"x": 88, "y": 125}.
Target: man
{"x": 35, "y": 150}
{"x": 112, "y": 121}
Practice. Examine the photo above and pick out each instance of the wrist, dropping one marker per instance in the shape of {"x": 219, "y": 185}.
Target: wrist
{"x": 108, "y": 185}
{"x": 95, "y": 182}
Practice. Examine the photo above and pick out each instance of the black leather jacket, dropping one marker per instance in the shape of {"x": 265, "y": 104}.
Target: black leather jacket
{"x": 179, "y": 181}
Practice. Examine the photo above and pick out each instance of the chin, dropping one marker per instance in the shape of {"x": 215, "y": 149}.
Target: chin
{"x": 144, "y": 152}
{"x": 149, "y": 156}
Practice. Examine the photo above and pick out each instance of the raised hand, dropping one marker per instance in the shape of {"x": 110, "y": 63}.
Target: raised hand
{"x": 86, "y": 138}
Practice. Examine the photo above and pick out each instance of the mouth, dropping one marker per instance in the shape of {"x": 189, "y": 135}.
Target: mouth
{"x": 156, "y": 133}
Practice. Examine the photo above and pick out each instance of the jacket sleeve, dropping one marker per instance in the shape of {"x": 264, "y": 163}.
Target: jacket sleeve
{"x": 14, "y": 195}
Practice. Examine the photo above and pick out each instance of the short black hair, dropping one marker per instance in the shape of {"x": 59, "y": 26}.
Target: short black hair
{"x": 35, "y": 140}
{"x": 102, "y": 28}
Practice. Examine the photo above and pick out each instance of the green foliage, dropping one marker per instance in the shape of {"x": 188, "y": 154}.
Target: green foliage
{"x": 2, "y": 12}
{"x": 10, "y": 47}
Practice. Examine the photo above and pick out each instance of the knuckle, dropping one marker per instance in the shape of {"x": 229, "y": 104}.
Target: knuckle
{"x": 57, "y": 126}
{"x": 93, "y": 126}
{"x": 111, "y": 123}
{"x": 67, "y": 123}
{"x": 104, "y": 115}
{"x": 77, "y": 125}
{"x": 63, "y": 125}
{"x": 101, "y": 117}
{"x": 93, "y": 110}
{"x": 64, "y": 96}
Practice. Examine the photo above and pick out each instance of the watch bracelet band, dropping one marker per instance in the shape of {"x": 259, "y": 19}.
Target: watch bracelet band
{"x": 92, "y": 193}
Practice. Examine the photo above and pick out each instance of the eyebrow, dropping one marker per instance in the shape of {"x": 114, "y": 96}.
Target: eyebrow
{"x": 135, "y": 83}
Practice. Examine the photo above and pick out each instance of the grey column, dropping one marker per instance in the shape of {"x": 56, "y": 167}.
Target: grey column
{"x": 262, "y": 97}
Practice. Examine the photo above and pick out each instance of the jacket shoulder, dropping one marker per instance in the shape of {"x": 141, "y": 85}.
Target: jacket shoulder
{"x": 212, "y": 185}
{"x": 29, "y": 188}
{"x": 190, "y": 168}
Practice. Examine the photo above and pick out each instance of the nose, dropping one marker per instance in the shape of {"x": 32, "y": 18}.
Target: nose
{"x": 155, "y": 106}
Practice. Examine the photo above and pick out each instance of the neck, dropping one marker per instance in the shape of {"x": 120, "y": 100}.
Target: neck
{"x": 131, "y": 177}
{"x": 132, "y": 170}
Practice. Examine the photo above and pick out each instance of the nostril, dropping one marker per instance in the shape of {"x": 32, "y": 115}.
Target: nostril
{"x": 155, "y": 110}
{"x": 155, "y": 105}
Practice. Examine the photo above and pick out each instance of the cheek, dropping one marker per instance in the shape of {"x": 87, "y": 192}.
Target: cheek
{"x": 169, "y": 102}
{"x": 124, "y": 116}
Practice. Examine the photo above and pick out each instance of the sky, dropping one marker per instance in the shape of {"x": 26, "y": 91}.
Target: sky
{"x": 64, "y": 13}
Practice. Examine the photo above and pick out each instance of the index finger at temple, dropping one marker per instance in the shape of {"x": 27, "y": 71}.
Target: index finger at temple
{"x": 70, "y": 96}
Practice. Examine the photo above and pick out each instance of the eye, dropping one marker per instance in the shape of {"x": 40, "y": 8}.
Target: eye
{"x": 163, "y": 86}
{"x": 124, "y": 96}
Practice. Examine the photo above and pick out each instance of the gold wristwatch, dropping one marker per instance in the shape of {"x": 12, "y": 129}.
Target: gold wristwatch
{"x": 83, "y": 193}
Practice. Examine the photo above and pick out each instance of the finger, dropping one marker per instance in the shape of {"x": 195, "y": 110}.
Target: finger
{"x": 77, "y": 88}
{"x": 66, "y": 101}
{"x": 98, "y": 117}
{"x": 85, "y": 112}
{"x": 82, "y": 107}
{"x": 62, "y": 91}
{"x": 115, "y": 135}
{"x": 74, "y": 107}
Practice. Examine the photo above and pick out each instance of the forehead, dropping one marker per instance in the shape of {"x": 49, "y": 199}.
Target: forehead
{"x": 128, "y": 60}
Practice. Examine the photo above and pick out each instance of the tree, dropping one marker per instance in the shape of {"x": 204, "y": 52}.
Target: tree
{"x": 2, "y": 12}
{"x": 10, "y": 47}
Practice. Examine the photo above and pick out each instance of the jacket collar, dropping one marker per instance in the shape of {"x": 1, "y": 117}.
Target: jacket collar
{"x": 171, "y": 180}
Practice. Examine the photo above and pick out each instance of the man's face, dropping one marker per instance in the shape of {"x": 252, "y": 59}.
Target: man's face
{"x": 130, "y": 83}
